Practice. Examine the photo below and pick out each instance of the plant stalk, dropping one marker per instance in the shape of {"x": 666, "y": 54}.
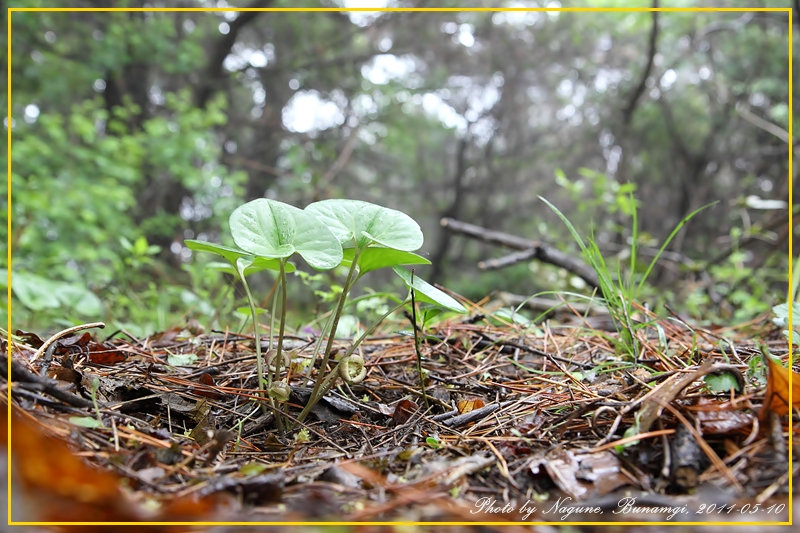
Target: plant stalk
{"x": 416, "y": 343}
{"x": 279, "y": 352}
{"x": 373, "y": 327}
{"x": 331, "y": 335}
{"x": 272, "y": 314}
{"x": 259, "y": 363}
{"x": 316, "y": 395}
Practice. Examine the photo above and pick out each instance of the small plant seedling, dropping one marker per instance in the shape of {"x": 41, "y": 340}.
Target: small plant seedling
{"x": 359, "y": 235}
{"x": 242, "y": 264}
{"x": 87, "y": 421}
{"x": 372, "y": 237}
{"x": 274, "y": 230}
{"x": 434, "y": 443}
{"x": 620, "y": 295}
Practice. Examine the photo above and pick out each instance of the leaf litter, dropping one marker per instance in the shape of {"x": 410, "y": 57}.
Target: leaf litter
{"x": 551, "y": 416}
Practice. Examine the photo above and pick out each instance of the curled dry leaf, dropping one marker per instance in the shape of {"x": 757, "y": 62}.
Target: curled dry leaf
{"x": 206, "y": 389}
{"x": 466, "y": 406}
{"x": 31, "y": 339}
{"x": 403, "y": 411}
{"x": 81, "y": 341}
{"x": 776, "y": 399}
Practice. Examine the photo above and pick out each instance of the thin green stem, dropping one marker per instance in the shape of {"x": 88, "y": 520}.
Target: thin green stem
{"x": 272, "y": 315}
{"x": 416, "y": 343}
{"x": 317, "y": 393}
{"x": 279, "y": 351}
{"x": 352, "y": 301}
{"x": 276, "y": 288}
{"x": 373, "y": 327}
{"x": 331, "y": 335}
{"x": 259, "y": 363}
{"x": 279, "y": 354}
{"x": 322, "y": 334}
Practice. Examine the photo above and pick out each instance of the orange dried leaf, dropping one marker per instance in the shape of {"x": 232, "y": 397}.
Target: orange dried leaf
{"x": 776, "y": 399}
{"x": 465, "y": 406}
{"x": 58, "y": 486}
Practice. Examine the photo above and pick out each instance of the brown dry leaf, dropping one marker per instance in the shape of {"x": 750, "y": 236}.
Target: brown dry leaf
{"x": 581, "y": 476}
{"x": 54, "y": 485}
{"x": 403, "y": 411}
{"x": 776, "y": 399}
{"x": 465, "y": 406}
{"x": 721, "y": 418}
{"x": 105, "y": 355}
{"x": 31, "y": 339}
{"x": 202, "y": 415}
{"x": 208, "y": 381}
{"x": 165, "y": 338}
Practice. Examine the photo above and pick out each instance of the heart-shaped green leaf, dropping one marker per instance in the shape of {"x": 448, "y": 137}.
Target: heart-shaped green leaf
{"x": 377, "y": 257}
{"x": 425, "y": 292}
{"x": 272, "y": 229}
{"x": 365, "y": 223}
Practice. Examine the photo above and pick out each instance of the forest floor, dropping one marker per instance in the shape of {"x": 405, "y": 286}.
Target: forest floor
{"x": 546, "y": 424}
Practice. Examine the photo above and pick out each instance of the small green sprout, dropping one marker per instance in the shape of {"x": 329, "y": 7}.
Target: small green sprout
{"x": 360, "y": 236}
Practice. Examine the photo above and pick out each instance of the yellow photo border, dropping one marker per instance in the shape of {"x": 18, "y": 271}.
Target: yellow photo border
{"x": 788, "y": 11}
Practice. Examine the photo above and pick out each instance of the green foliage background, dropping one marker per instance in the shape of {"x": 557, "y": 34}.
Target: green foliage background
{"x": 132, "y": 132}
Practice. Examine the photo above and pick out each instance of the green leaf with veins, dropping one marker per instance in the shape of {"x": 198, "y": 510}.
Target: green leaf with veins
{"x": 363, "y": 223}
{"x": 272, "y": 229}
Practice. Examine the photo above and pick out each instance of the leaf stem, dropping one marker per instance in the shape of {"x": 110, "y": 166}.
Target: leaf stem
{"x": 331, "y": 335}
{"x": 416, "y": 342}
{"x": 259, "y": 363}
{"x": 279, "y": 355}
{"x": 373, "y": 327}
{"x": 327, "y": 383}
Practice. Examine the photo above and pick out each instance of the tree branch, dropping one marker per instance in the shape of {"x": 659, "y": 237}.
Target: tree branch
{"x": 532, "y": 249}
{"x": 214, "y": 72}
{"x": 453, "y": 209}
{"x": 627, "y": 113}
{"x": 40, "y": 383}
